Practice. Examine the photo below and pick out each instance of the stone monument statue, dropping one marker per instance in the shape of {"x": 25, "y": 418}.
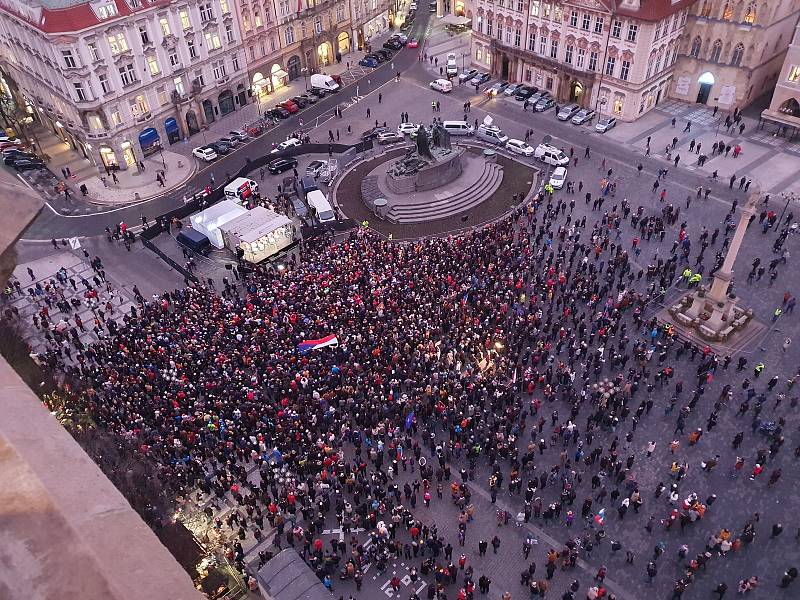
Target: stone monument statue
{"x": 423, "y": 143}
{"x": 441, "y": 137}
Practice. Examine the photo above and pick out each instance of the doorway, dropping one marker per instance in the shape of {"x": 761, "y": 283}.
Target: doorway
{"x": 575, "y": 92}
{"x": 706, "y": 81}
{"x": 504, "y": 68}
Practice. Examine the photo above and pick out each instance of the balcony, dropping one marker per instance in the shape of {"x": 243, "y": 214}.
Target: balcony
{"x": 143, "y": 118}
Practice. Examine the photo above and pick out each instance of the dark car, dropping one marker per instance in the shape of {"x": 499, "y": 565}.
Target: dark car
{"x": 300, "y": 208}
{"x": 281, "y": 112}
{"x": 371, "y": 134}
{"x": 376, "y": 56}
{"x": 28, "y": 164}
{"x": 219, "y": 147}
{"x": 393, "y": 44}
{"x": 10, "y": 159}
{"x": 524, "y": 93}
{"x": 300, "y": 101}
{"x": 279, "y": 165}
{"x": 368, "y": 62}
{"x": 386, "y": 54}
{"x": 480, "y": 79}
{"x": 318, "y": 92}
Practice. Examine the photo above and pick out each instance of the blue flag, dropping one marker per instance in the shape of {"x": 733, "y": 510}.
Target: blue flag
{"x": 410, "y": 420}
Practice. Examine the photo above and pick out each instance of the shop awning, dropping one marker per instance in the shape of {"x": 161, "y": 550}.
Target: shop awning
{"x": 148, "y": 137}
{"x": 280, "y": 74}
{"x": 171, "y": 125}
{"x": 455, "y": 20}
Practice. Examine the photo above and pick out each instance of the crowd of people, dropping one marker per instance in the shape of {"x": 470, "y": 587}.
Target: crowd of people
{"x": 518, "y": 358}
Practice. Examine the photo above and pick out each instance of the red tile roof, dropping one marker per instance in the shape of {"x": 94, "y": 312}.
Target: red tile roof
{"x": 649, "y": 10}
{"x": 80, "y": 16}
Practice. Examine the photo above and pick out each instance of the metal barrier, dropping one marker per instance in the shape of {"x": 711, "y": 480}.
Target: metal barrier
{"x": 187, "y": 275}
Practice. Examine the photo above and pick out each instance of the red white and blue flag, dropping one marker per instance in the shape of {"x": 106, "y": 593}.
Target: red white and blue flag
{"x": 308, "y": 345}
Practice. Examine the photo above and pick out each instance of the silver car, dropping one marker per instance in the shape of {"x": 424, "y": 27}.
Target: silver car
{"x": 584, "y": 115}
{"x": 605, "y": 124}
{"x": 512, "y": 89}
{"x": 567, "y": 112}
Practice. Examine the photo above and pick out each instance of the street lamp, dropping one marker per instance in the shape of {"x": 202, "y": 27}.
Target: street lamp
{"x": 790, "y": 196}
{"x": 304, "y": 71}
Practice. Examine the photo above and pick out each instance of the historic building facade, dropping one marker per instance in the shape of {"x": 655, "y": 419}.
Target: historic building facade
{"x": 118, "y": 79}
{"x": 616, "y": 57}
{"x": 784, "y": 108}
{"x": 733, "y": 50}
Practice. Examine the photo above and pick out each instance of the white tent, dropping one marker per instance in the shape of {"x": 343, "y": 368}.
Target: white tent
{"x": 209, "y": 221}
{"x": 455, "y": 20}
{"x": 260, "y": 233}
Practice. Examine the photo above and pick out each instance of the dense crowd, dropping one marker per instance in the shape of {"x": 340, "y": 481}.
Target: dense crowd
{"x": 517, "y": 357}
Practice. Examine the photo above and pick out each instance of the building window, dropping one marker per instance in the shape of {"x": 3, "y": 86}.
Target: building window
{"x": 107, "y": 11}
{"x": 235, "y": 62}
{"x": 542, "y": 45}
{"x": 105, "y": 85}
{"x": 128, "y": 75}
{"x": 94, "y": 53}
{"x": 152, "y": 65}
{"x": 145, "y": 37}
{"x": 547, "y": 10}
{"x": 616, "y": 29}
{"x": 727, "y": 12}
{"x": 212, "y": 40}
{"x": 573, "y": 18}
{"x": 716, "y": 50}
{"x": 478, "y": 53}
{"x": 501, "y": 3}
{"x": 674, "y": 23}
{"x": 500, "y": 30}
{"x": 178, "y": 82}
{"x": 289, "y": 35}
{"x": 174, "y": 59}
{"x": 633, "y": 30}
{"x": 192, "y": 48}
{"x": 528, "y": 74}
{"x": 185, "y": 22}
{"x": 257, "y": 18}
{"x": 695, "y": 49}
{"x": 118, "y": 43}
{"x": 581, "y": 58}
{"x": 200, "y": 78}
{"x": 534, "y": 8}
{"x": 610, "y": 62}
{"x": 568, "y": 54}
{"x": 219, "y": 69}
{"x": 549, "y": 83}
{"x": 794, "y": 74}
{"x": 738, "y": 53}
{"x": 116, "y": 119}
{"x": 558, "y": 14}
{"x": 206, "y": 12}
{"x": 79, "y": 91}
{"x": 517, "y": 37}
{"x": 229, "y": 33}
{"x": 706, "y": 10}
{"x": 520, "y": 5}
{"x": 164, "y": 24}
{"x": 598, "y": 25}
{"x": 619, "y": 103}
{"x": 553, "y": 48}
{"x": 489, "y": 27}
{"x": 95, "y": 123}
{"x": 593, "y": 61}
{"x": 586, "y": 21}
{"x": 339, "y": 13}
{"x": 750, "y": 13}
{"x": 161, "y": 94}
{"x": 624, "y": 69}
{"x": 139, "y": 106}
{"x": 223, "y": 7}
{"x": 69, "y": 60}
{"x": 531, "y": 41}
{"x": 658, "y": 31}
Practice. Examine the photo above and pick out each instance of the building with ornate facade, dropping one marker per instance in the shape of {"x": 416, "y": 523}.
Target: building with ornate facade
{"x": 784, "y": 108}
{"x": 733, "y": 50}
{"x": 614, "y": 56}
{"x": 118, "y": 79}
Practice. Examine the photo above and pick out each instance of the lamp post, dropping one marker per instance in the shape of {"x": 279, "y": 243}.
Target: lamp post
{"x": 304, "y": 71}
{"x": 789, "y": 196}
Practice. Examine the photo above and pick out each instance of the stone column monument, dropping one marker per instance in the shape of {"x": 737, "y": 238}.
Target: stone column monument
{"x": 712, "y": 314}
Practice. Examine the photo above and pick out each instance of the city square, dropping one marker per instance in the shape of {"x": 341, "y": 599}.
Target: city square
{"x": 473, "y": 379}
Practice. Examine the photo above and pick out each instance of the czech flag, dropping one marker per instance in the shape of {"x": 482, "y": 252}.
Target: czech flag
{"x": 600, "y": 517}
{"x": 308, "y": 345}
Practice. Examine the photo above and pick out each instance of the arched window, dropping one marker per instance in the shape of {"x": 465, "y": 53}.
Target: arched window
{"x": 727, "y": 12}
{"x": 716, "y": 50}
{"x": 750, "y": 13}
{"x": 738, "y": 53}
{"x": 695, "y": 50}
{"x": 706, "y": 10}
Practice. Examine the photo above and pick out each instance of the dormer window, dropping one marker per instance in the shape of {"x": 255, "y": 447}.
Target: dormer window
{"x": 106, "y": 11}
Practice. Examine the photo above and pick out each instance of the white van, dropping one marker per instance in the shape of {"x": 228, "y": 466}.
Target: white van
{"x": 458, "y": 127}
{"x": 441, "y": 85}
{"x": 452, "y": 67}
{"x": 325, "y": 82}
{"x": 491, "y": 134}
{"x": 324, "y": 212}
{"x": 240, "y": 189}
{"x": 551, "y": 155}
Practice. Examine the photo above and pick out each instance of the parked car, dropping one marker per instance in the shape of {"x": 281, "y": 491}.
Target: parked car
{"x": 279, "y": 165}
{"x": 377, "y": 57}
{"x": 288, "y": 105}
{"x": 373, "y": 133}
{"x": 368, "y": 61}
{"x": 605, "y": 124}
{"x": 568, "y": 111}
{"x": 205, "y": 153}
{"x": 281, "y": 113}
{"x": 558, "y": 178}
{"x": 230, "y": 141}
{"x": 544, "y": 104}
{"x": 551, "y": 155}
{"x": 403, "y": 38}
{"x": 412, "y": 6}
{"x": 583, "y": 116}
{"x": 512, "y": 88}
{"x": 389, "y": 137}
{"x": 29, "y": 164}
{"x": 467, "y": 75}
{"x": 12, "y": 150}
{"x": 480, "y": 79}
{"x": 524, "y": 93}
{"x": 309, "y": 98}
{"x": 393, "y": 44}
{"x": 536, "y": 96}
{"x": 286, "y": 144}
{"x": 318, "y": 92}
{"x": 300, "y": 101}
{"x": 239, "y": 134}
{"x": 519, "y": 147}
{"x": 386, "y": 55}
{"x": 314, "y": 168}
{"x": 407, "y": 128}
{"x": 441, "y": 85}
{"x": 497, "y": 88}
{"x": 219, "y": 147}
{"x": 300, "y": 208}
{"x": 10, "y": 159}
{"x": 452, "y": 66}
{"x": 413, "y": 43}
